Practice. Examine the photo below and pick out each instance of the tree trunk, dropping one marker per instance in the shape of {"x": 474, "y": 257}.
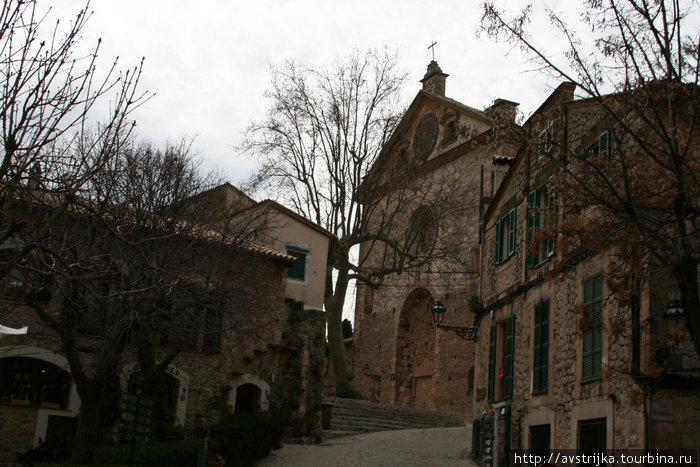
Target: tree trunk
{"x": 86, "y": 432}
{"x": 334, "y": 304}
{"x": 343, "y": 375}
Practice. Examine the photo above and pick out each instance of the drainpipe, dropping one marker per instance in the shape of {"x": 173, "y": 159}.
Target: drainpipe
{"x": 481, "y": 236}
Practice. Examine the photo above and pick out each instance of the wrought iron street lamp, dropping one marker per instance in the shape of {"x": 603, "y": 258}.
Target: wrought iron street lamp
{"x": 468, "y": 334}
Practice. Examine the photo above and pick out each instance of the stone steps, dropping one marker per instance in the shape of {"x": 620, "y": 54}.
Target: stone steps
{"x": 355, "y": 416}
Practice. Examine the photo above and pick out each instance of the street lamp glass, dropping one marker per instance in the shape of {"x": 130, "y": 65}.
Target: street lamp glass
{"x": 438, "y": 312}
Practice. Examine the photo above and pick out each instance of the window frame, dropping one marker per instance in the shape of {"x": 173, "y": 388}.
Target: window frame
{"x": 600, "y": 146}
{"x": 297, "y": 250}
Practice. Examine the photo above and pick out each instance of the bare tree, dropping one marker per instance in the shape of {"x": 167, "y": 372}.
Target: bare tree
{"x": 319, "y": 150}
{"x": 47, "y": 95}
{"x": 635, "y": 194}
{"x": 132, "y": 270}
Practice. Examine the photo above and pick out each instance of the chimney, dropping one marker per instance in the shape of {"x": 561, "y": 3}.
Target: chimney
{"x": 434, "y": 79}
{"x": 503, "y": 110}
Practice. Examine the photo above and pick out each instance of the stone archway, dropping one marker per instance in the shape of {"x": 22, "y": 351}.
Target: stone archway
{"x": 415, "y": 352}
{"x": 249, "y": 393}
{"x": 247, "y": 398}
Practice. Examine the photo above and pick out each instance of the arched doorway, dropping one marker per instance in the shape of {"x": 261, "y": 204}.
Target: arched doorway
{"x": 247, "y": 399}
{"x": 249, "y": 393}
{"x": 415, "y": 352}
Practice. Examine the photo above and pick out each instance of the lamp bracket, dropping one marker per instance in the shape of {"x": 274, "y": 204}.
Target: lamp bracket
{"x": 468, "y": 334}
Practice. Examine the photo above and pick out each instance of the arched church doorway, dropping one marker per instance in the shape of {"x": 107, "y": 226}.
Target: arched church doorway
{"x": 415, "y": 352}
{"x": 247, "y": 399}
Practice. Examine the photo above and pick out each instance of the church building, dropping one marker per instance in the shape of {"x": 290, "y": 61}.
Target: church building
{"x": 399, "y": 355}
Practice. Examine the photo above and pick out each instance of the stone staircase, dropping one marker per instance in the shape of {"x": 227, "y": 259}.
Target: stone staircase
{"x": 352, "y": 416}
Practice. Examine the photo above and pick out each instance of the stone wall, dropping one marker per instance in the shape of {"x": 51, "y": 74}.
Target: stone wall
{"x": 675, "y": 417}
{"x": 17, "y": 425}
{"x": 299, "y": 385}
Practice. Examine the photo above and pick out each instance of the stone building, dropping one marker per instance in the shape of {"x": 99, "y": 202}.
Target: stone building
{"x": 563, "y": 361}
{"x": 254, "y": 352}
{"x": 443, "y": 153}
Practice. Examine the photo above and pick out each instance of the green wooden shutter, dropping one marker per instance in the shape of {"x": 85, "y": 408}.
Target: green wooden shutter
{"x": 509, "y": 360}
{"x": 536, "y": 361}
{"x": 511, "y": 232}
{"x": 492, "y": 363}
{"x": 499, "y": 242}
{"x": 552, "y": 220}
{"x": 541, "y": 348}
{"x": 592, "y": 355}
{"x": 544, "y": 348}
{"x": 597, "y": 312}
{"x": 476, "y": 439}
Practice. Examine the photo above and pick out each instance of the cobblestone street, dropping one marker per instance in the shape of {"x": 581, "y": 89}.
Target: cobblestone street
{"x": 423, "y": 447}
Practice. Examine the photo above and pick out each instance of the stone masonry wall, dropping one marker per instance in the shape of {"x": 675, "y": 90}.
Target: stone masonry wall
{"x": 17, "y": 425}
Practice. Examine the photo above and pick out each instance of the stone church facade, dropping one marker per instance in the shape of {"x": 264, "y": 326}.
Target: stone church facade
{"x": 398, "y": 355}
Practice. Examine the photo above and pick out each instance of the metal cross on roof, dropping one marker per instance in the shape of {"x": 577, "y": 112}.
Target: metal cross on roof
{"x": 432, "y": 46}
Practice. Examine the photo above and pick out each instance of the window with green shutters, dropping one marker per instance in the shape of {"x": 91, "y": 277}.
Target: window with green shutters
{"x": 509, "y": 358}
{"x": 505, "y": 237}
{"x": 540, "y": 365}
{"x": 593, "y": 331}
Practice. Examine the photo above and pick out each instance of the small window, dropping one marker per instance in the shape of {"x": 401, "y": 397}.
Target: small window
{"x": 539, "y": 439}
{"x": 297, "y": 271}
{"x": 592, "y": 435}
{"x": 598, "y": 149}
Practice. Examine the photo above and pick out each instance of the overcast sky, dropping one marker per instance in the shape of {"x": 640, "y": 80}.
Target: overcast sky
{"x": 208, "y": 61}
